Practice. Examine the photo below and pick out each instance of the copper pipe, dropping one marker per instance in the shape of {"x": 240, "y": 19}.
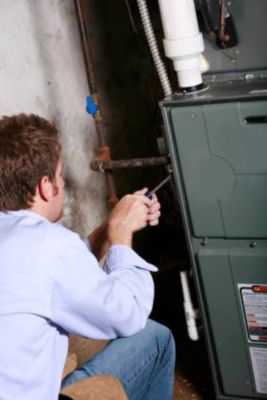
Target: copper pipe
{"x": 93, "y": 90}
{"x": 85, "y": 47}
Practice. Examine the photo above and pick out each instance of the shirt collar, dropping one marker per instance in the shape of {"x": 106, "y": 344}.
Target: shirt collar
{"x": 24, "y": 213}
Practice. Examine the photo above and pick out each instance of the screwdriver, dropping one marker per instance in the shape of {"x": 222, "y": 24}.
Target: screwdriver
{"x": 150, "y": 193}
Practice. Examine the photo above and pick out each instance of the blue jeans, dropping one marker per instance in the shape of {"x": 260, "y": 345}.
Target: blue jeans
{"x": 144, "y": 363}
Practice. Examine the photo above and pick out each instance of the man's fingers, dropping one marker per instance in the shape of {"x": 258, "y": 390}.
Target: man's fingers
{"x": 154, "y": 215}
{"x": 138, "y": 211}
{"x": 153, "y": 208}
{"x": 153, "y": 219}
{"x": 154, "y": 222}
{"x": 141, "y": 191}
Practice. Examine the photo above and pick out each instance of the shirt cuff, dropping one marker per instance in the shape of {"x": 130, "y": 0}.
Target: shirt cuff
{"x": 121, "y": 256}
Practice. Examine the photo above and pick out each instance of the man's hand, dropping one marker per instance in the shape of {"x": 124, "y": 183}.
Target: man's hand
{"x": 153, "y": 208}
{"x": 132, "y": 213}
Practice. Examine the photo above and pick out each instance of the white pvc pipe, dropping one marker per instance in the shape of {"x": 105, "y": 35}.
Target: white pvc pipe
{"x": 183, "y": 42}
{"x": 190, "y": 313}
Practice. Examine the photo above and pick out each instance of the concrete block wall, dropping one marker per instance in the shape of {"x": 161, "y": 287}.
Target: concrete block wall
{"x": 42, "y": 71}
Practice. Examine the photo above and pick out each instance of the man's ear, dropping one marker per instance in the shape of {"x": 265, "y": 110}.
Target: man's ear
{"x": 46, "y": 189}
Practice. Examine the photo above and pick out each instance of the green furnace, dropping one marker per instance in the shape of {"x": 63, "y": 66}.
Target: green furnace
{"x": 217, "y": 140}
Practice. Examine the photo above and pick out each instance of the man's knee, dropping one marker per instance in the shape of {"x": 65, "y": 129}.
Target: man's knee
{"x": 162, "y": 335}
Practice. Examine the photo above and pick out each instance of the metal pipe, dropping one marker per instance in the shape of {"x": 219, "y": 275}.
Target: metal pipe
{"x": 151, "y": 39}
{"x": 85, "y": 47}
{"x": 103, "y": 166}
{"x": 93, "y": 91}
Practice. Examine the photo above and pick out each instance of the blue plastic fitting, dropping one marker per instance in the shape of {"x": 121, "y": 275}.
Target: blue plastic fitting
{"x": 91, "y": 107}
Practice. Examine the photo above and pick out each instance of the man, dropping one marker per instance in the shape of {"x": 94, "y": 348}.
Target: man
{"x": 51, "y": 283}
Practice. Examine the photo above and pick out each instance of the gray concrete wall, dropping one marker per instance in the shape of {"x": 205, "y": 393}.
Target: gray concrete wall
{"x": 42, "y": 72}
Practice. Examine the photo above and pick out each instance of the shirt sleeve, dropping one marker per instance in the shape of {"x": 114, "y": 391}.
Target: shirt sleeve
{"x": 100, "y": 304}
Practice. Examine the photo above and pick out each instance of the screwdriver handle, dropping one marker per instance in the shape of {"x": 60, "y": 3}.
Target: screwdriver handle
{"x": 149, "y": 195}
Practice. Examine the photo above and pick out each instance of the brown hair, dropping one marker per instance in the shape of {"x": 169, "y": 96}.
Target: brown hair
{"x": 29, "y": 150}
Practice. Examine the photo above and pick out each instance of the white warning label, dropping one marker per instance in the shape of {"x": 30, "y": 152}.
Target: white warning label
{"x": 258, "y": 357}
{"x": 254, "y": 299}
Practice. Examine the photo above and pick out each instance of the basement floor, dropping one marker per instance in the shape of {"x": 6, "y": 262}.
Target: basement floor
{"x": 193, "y": 383}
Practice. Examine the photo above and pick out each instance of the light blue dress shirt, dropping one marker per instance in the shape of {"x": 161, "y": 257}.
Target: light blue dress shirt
{"x": 51, "y": 284}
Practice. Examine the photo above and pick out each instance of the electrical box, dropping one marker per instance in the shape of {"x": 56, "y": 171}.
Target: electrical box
{"x": 217, "y": 139}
